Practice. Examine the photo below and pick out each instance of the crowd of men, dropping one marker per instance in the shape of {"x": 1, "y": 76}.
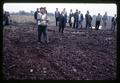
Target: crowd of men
{"x": 75, "y": 21}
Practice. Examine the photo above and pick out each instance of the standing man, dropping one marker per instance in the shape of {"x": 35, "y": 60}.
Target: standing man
{"x": 45, "y": 10}
{"x": 64, "y": 10}
{"x": 57, "y": 16}
{"x": 105, "y": 19}
{"x": 114, "y": 23}
{"x": 42, "y": 25}
{"x": 4, "y": 18}
{"x": 7, "y": 18}
{"x": 80, "y": 20}
{"x": 88, "y": 20}
{"x": 62, "y": 21}
{"x": 76, "y": 21}
{"x": 70, "y": 18}
{"x": 98, "y": 20}
{"x": 35, "y": 15}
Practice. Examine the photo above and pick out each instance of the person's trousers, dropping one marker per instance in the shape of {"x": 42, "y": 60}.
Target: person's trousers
{"x": 97, "y": 25}
{"x": 104, "y": 24}
{"x": 35, "y": 20}
{"x": 113, "y": 26}
{"x": 36, "y": 23}
{"x": 76, "y": 24}
{"x": 65, "y": 22}
{"x": 7, "y": 21}
{"x": 70, "y": 23}
{"x": 80, "y": 24}
{"x": 42, "y": 30}
{"x": 57, "y": 20}
{"x": 88, "y": 25}
{"x": 61, "y": 27}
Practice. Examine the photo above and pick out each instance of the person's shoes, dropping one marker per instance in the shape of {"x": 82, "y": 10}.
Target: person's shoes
{"x": 46, "y": 42}
{"x": 40, "y": 42}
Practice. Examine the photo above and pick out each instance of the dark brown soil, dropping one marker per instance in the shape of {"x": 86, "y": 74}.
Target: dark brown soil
{"x": 68, "y": 56}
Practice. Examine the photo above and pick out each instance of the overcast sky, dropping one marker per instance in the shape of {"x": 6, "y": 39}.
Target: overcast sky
{"x": 94, "y": 9}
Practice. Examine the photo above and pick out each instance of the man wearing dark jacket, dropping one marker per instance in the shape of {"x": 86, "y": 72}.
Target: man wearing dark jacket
{"x": 6, "y": 18}
{"x": 113, "y": 23}
{"x": 76, "y": 20}
{"x": 62, "y": 21}
{"x": 98, "y": 20}
{"x": 57, "y": 16}
{"x": 45, "y": 10}
{"x": 88, "y": 20}
{"x": 35, "y": 14}
{"x": 65, "y": 12}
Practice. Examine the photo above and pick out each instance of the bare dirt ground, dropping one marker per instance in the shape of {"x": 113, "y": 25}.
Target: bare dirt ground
{"x": 69, "y": 56}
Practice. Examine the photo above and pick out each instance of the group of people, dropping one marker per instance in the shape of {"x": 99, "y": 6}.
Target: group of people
{"x": 61, "y": 18}
{"x": 75, "y": 21}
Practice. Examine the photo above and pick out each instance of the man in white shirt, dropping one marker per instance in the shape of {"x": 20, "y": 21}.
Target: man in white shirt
{"x": 42, "y": 25}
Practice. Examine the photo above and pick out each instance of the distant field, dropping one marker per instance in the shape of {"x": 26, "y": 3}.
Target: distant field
{"x": 22, "y": 18}
{"x": 27, "y": 19}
